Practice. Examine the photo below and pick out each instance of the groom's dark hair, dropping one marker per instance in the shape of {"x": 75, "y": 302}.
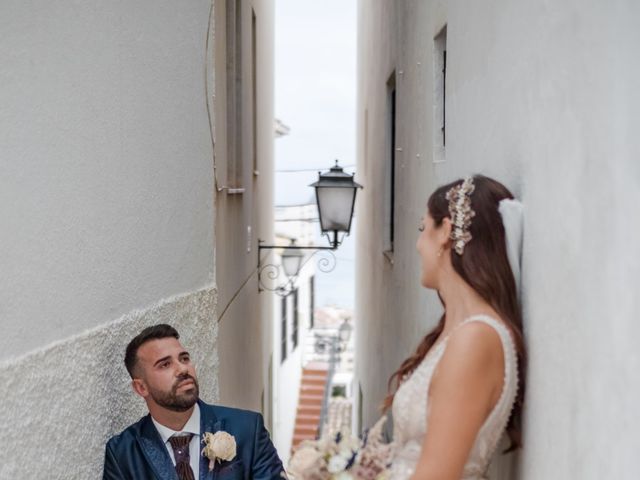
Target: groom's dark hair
{"x": 154, "y": 332}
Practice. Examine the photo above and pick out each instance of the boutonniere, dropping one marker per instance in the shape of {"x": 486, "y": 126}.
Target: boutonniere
{"x": 218, "y": 446}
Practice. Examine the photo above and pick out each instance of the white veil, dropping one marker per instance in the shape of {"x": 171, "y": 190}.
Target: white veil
{"x": 512, "y": 212}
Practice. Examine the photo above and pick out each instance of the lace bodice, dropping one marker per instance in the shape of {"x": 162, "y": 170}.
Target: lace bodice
{"x": 410, "y": 410}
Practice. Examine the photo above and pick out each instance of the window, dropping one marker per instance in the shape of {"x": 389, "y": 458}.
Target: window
{"x": 439, "y": 96}
{"x": 234, "y": 93}
{"x": 339, "y": 391}
{"x": 295, "y": 333}
{"x": 254, "y": 92}
{"x": 312, "y": 300}
{"x": 391, "y": 186}
{"x": 283, "y": 329}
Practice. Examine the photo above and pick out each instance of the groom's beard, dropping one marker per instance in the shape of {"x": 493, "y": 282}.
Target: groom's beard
{"x": 178, "y": 402}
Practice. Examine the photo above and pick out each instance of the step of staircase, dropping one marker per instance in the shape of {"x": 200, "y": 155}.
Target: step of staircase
{"x": 307, "y": 431}
{"x": 319, "y": 380}
{"x": 310, "y": 400}
{"x": 314, "y": 410}
{"x": 298, "y": 439}
{"x": 312, "y": 388}
{"x": 308, "y": 419}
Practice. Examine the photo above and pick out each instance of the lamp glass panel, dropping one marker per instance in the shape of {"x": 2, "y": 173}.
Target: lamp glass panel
{"x": 335, "y": 207}
{"x": 291, "y": 264}
{"x": 345, "y": 332}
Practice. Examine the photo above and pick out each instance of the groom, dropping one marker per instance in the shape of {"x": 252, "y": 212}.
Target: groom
{"x": 167, "y": 443}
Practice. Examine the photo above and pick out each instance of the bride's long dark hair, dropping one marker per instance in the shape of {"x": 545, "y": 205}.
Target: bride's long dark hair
{"x": 485, "y": 267}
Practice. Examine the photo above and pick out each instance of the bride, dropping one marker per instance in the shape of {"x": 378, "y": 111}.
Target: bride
{"x": 463, "y": 388}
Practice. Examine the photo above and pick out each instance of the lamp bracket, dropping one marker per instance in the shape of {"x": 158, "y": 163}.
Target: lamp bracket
{"x": 325, "y": 263}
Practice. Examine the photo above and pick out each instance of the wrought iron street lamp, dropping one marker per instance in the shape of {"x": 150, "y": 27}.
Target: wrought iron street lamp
{"x": 292, "y": 260}
{"x": 344, "y": 333}
{"x": 335, "y": 198}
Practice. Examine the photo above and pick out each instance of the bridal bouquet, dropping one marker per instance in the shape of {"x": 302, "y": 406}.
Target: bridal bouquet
{"x": 343, "y": 457}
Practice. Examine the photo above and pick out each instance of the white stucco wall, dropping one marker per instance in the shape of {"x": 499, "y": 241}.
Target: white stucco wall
{"x": 106, "y": 198}
{"x": 291, "y": 222}
{"x": 287, "y": 376}
{"x": 542, "y": 96}
{"x": 106, "y": 218}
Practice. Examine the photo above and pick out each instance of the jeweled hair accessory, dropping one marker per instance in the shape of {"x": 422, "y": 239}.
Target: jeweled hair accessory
{"x": 461, "y": 213}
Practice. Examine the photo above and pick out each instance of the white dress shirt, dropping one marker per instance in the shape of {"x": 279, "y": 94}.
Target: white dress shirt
{"x": 192, "y": 426}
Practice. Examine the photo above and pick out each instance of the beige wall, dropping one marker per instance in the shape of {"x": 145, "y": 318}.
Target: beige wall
{"x": 542, "y": 96}
{"x": 242, "y": 218}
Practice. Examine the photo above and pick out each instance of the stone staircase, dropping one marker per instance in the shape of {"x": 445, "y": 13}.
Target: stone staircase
{"x": 312, "y": 386}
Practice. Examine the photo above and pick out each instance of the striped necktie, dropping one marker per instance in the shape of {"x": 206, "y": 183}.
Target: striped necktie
{"x": 180, "y": 445}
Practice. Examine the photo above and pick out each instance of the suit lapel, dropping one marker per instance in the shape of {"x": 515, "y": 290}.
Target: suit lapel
{"x": 208, "y": 423}
{"x": 155, "y": 452}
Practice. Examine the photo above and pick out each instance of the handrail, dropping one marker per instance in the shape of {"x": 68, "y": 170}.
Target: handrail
{"x": 327, "y": 389}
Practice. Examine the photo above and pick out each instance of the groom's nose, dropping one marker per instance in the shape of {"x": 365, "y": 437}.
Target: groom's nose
{"x": 182, "y": 369}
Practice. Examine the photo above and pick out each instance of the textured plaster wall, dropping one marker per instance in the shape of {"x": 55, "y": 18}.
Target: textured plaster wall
{"x": 542, "y": 96}
{"x": 106, "y": 175}
{"x": 60, "y": 404}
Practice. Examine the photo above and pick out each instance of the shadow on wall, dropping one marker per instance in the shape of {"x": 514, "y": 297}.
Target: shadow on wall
{"x": 76, "y": 392}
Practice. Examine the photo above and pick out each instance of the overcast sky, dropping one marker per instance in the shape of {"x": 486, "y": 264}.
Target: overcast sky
{"x": 315, "y": 82}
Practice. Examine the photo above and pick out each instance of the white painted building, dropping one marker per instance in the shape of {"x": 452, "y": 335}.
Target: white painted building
{"x": 292, "y": 318}
{"x": 544, "y": 97}
{"x": 136, "y": 165}
{"x": 342, "y": 409}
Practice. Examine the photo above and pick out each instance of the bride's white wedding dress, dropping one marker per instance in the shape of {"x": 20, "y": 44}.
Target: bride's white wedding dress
{"x": 410, "y": 410}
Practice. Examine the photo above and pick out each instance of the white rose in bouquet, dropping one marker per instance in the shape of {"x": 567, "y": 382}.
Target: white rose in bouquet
{"x": 306, "y": 458}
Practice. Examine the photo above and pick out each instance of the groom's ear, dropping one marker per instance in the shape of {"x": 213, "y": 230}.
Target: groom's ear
{"x": 140, "y": 387}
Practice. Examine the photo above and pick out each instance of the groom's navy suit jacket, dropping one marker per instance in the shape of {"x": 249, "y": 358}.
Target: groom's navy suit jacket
{"x": 139, "y": 454}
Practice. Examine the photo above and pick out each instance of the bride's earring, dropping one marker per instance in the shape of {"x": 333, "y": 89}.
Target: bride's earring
{"x": 440, "y": 251}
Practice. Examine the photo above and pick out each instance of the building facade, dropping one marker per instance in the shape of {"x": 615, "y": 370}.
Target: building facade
{"x": 292, "y": 318}
{"x": 244, "y": 131}
{"x": 121, "y": 208}
{"x": 543, "y": 97}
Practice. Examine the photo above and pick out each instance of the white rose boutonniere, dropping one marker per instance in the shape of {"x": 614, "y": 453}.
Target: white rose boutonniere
{"x": 218, "y": 446}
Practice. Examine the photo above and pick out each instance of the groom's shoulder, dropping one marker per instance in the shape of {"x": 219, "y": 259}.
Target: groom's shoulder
{"x": 223, "y": 412}
{"x": 128, "y": 435}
